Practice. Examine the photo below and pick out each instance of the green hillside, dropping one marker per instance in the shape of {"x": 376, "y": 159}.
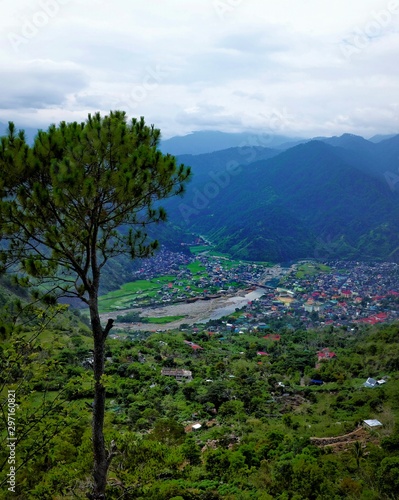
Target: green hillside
{"x": 265, "y": 431}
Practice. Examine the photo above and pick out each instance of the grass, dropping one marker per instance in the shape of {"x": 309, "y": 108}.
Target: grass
{"x": 122, "y": 298}
{"x": 197, "y": 267}
{"x": 311, "y": 270}
{"x": 164, "y": 319}
{"x": 215, "y": 253}
{"x": 143, "y": 289}
{"x": 199, "y": 249}
{"x": 128, "y": 295}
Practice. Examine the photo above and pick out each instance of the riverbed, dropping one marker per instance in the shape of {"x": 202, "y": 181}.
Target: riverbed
{"x": 200, "y": 311}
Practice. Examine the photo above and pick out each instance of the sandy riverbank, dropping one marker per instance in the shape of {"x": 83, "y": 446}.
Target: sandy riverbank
{"x": 194, "y": 312}
{"x": 200, "y": 311}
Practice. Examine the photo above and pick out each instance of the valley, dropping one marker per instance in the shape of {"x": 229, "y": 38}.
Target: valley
{"x": 226, "y": 374}
{"x": 305, "y": 294}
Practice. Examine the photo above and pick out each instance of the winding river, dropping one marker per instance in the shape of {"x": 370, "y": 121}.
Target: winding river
{"x": 200, "y": 311}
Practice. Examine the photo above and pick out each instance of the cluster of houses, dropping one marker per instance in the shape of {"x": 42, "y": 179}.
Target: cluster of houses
{"x": 350, "y": 293}
{"x": 163, "y": 263}
{"x": 217, "y": 276}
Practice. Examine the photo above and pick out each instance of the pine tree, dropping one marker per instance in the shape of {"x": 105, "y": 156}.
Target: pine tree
{"x": 81, "y": 195}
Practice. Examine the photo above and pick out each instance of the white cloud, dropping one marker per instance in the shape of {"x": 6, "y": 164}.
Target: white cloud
{"x": 306, "y": 68}
{"x": 39, "y": 84}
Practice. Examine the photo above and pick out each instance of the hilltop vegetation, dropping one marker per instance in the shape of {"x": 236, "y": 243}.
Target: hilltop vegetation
{"x": 249, "y": 392}
{"x": 265, "y": 412}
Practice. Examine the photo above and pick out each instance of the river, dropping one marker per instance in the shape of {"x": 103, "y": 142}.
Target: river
{"x": 234, "y": 302}
{"x": 200, "y": 311}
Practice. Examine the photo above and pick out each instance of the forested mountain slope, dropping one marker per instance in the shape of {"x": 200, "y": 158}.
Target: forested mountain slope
{"x": 314, "y": 198}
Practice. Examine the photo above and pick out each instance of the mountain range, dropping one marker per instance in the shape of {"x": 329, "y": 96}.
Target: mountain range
{"x": 208, "y": 141}
{"x": 273, "y": 197}
{"x": 327, "y": 198}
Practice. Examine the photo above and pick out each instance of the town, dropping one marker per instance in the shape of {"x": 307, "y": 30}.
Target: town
{"x": 337, "y": 293}
{"x": 305, "y": 295}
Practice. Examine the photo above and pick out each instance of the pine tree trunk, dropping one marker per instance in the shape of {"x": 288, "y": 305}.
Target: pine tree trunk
{"x": 101, "y": 462}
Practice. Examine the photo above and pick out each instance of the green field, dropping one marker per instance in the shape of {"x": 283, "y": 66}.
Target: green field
{"x": 311, "y": 269}
{"x": 163, "y": 320}
{"x": 197, "y": 267}
{"x": 143, "y": 292}
{"x": 122, "y": 298}
{"x": 199, "y": 249}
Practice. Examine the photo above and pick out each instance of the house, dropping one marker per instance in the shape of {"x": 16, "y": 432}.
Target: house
{"x": 177, "y": 373}
{"x": 370, "y": 382}
{"x": 325, "y": 354}
{"x": 272, "y": 336}
{"x": 192, "y": 345}
{"x": 311, "y": 306}
{"x": 315, "y": 382}
{"x": 372, "y": 424}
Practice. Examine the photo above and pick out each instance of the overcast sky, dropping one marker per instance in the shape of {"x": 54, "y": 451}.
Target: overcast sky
{"x": 293, "y": 67}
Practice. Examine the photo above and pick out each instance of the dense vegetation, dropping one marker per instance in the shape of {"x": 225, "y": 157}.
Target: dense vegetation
{"x": 83, "y": 194}
{"x": 258, "y": 412}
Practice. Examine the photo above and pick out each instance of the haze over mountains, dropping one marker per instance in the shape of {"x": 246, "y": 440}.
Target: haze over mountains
{"x": 205, "y": 141}
{"x": 208, "y": 141}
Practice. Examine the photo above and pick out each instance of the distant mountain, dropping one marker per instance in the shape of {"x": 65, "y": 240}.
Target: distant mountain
{"x": 374, "y": 158}
{"x": 29, "y": 131}
{"x": 379, "y": 137}
{"x": 290, "y": 144}
{"x": 349, "y": 141}
{"x": 209, "y": 141}
{"x": 277, "y": 198}
{"x": 325, "y": 198}
{"x": 207, "y": 164}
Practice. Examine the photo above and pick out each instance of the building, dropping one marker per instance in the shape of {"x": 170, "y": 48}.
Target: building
{"x": 372, "y": 424}
{"x": 177, "y": 373}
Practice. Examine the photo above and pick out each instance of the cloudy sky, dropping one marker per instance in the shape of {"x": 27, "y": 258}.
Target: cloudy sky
{"x": 293, "y": 67}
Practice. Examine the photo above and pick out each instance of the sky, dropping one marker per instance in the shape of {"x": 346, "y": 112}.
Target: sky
{"x": 300, "y": 68}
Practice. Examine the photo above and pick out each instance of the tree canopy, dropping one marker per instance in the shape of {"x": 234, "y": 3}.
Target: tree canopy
{"x": 82, "y": 194}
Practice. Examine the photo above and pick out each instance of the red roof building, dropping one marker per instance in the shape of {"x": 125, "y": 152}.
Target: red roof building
{"x": 272, "y": 336}
{"x": 192, "y": 345}
{"x": 325, "y": 354}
